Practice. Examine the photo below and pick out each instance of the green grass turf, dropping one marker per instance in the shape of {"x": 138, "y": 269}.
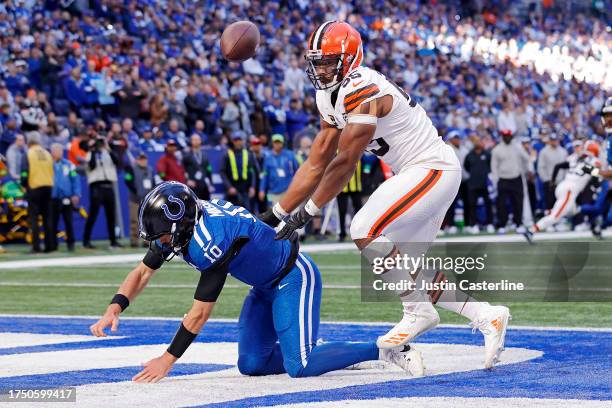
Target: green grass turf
{"x": 340, "y": 268}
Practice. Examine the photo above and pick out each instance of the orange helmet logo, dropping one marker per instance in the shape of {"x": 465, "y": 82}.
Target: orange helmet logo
{"x": 334, "y": 50}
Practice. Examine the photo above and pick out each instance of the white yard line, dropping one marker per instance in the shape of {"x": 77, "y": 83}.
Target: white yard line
{"x": 343, "y": 322}
{"x": 153, "y": 285}
{"x": 309, "y": 248}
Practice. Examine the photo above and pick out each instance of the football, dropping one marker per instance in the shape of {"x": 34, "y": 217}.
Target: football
{"x": 239, "y": 41}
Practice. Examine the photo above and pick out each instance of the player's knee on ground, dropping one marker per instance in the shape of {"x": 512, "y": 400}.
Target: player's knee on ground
{"x": 251, "y": 364}
{"x": 295, "y": 369}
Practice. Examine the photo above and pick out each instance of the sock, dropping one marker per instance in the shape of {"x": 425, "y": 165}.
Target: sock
{"x": 455, "y": 301}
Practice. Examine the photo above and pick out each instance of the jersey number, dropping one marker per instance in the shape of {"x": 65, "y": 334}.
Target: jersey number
{"x": 213, "y": 253}
{"x": 383, "y": 149}
{"x": 354, "y": 75}
{"x": 411, "y": 102}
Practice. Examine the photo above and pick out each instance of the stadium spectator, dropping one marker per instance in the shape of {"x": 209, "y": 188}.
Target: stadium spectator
{"x": 15, "y": 155}
{"x": 139, "y": 178}
{"x": 278, "y": 169}
{"x": 551, "y": 155}
{"x": 65, "y": 195}
{"x": 148, "y": 143}
{"x": 297, "y": 120}
{"x": 478, "y": 165}
{"x": 237, "y": 171}
{"x": 508, "y": 163}
{"x": 258, "y": 203}
{"x": 197, "y": 168}
{"x": 129, "y": 97}
{"x": 169, "y": 168}
{"x": 101, "y": 171}
{"x": 37, "y": 178}
{"x": 176, "y": 134}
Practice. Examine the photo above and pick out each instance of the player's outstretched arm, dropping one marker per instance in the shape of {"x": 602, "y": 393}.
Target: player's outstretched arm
{"x": 132, "y": 285}
{"x": 354, "y": 139}
{"x": 157, "y": 368}
{"x": 308, "y": 176}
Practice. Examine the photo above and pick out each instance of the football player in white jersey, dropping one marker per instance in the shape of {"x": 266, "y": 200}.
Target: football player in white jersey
{"x": 362, "y": 110}
{"x": 581, "y": 165}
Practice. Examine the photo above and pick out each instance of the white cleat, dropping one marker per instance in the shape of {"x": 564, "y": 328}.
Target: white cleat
{"x": 492, "y": 323}
{"x": 418, "y": 318}
{"x": 407, "y": 358}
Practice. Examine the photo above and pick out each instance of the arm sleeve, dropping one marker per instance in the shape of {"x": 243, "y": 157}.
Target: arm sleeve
{"x": 563, "y": 165}
{"x": 210, "y": 284}
{"x": 154, "y": 258}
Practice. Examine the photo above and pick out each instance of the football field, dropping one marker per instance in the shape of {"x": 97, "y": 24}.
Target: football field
{"x": 550, "y": 347}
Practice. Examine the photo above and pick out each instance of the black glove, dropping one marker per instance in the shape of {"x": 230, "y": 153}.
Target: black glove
{"x": 295, "y": 222}
{"x": 587, "y": 168}
{"x": 269, "y": 218}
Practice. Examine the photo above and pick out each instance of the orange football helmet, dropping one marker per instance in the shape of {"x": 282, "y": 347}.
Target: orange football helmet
{"x": 592, "y": 147}
{"x": 334, "y": 50}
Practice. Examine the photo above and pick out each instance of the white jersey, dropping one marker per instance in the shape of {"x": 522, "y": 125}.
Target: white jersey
{"x": 405, "y": 137}
{"x": 576, "y": 179}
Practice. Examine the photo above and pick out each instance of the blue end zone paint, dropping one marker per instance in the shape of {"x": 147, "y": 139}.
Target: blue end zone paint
{"x": 575, "y": 365}
{"x": 101, "y": 375}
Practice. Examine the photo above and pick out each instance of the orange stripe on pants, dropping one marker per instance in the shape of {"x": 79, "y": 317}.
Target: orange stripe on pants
{"x": 567, "y": 196}
{"x": 404, "y": 203}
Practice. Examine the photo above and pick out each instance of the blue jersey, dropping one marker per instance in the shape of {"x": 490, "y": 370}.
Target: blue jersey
{"x": 228, "y": 237}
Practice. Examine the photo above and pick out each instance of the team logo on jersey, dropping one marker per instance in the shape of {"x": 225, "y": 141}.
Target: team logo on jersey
{"x": 181, "y": 211}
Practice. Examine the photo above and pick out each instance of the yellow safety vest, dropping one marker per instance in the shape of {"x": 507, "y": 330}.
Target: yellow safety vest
{"x": 354, "y": 185}
{"x": 234, "y": 167}
{"x": 40, "y": 163}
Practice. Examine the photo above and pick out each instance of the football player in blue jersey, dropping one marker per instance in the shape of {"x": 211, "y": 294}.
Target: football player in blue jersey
{"x": 279, "y": 321}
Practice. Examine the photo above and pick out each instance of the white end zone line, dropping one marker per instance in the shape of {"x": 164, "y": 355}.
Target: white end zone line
{"x": 221, "y": 320}
{"x": 309, "y": 248}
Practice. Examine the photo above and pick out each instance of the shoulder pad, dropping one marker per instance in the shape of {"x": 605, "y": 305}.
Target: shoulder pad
{"x": 358, "y": 87}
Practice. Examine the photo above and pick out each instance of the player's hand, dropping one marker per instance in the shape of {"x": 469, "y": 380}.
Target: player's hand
{"x": 251, "y": 192}
{"x": 269, "y": 218}
{"x": 586, "y": 168}
{"x": 110, "y": 318}
{"x": 156, "y": 369}
{"x": 295, "y": 222}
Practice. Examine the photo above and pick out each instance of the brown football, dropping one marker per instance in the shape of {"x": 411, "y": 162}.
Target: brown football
{"x": 239, "y": 41}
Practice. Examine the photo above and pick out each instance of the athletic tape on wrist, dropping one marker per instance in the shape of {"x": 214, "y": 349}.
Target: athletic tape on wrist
{"x": 311, "y": 208}
{"x": 279, "y": 211}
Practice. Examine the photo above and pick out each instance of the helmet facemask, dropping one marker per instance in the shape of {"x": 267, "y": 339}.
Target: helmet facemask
{"x": 324, "y": 71}
{"x": 606, "y": 122}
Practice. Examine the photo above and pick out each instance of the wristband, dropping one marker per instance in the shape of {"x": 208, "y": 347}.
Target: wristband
{"x": 311, "y": 208}
{"x": 182, "y": 339}
{"x": 595, "y": 172}
{"x": 121, "y": 300}
{"x": 279, "y": 212}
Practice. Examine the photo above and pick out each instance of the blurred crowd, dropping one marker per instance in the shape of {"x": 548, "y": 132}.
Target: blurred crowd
{"x": 127, "y": 79}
